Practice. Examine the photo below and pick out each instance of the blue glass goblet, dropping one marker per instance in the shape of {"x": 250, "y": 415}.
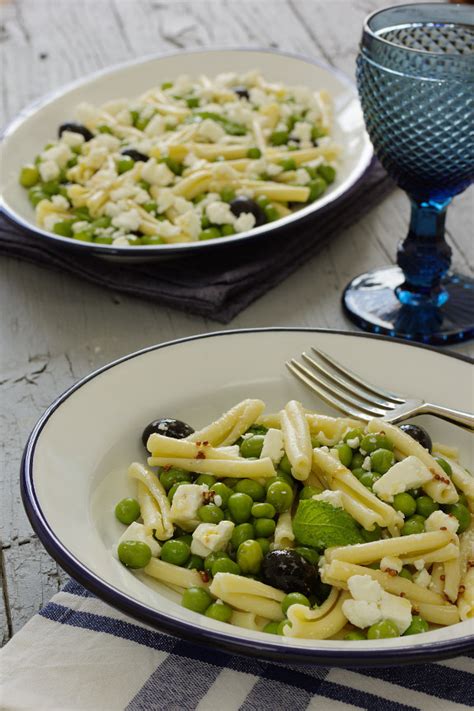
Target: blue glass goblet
{"x": 415, "y": 75}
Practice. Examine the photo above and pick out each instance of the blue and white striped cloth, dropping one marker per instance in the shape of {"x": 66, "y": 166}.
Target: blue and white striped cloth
{"x": 81, "y": 654}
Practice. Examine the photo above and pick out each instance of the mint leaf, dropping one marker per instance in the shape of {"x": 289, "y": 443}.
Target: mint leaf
{"x": 320, "y": 525}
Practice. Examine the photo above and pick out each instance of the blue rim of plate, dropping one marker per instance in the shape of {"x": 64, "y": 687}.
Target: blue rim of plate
{"x": 187, "y": 248}
{"x": 188, "y": 631}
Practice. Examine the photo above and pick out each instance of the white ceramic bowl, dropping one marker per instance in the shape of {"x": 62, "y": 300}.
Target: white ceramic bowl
{"x": 74, "y": 465}
{"x": 38, "y": 123}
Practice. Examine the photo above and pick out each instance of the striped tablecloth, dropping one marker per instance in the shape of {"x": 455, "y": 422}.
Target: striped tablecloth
{"x": 78, "y": 653}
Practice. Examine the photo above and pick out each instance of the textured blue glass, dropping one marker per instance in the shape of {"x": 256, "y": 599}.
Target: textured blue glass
{"x": 415, "y": 75}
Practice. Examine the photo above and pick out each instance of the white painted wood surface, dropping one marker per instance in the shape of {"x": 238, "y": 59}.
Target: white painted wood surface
{"x": 54, "y": 328}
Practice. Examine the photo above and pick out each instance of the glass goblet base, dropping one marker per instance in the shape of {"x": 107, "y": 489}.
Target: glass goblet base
{"x": 371, "y": 303}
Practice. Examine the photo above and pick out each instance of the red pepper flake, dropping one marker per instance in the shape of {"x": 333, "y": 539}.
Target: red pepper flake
{"x": 205, "y": 443}
{"x": 442, "y": 577}
{"x": 167, "y": 467}
{"x": 204, "y": 576}
{"x": 198, "y": 444}
{"x": 416, "y": 611}
{"x": 443, "y": 528}
{"x": 470, "y": 563}
{"x": 200, "y": 455}
{"x": 391, "y": 571}
{"x": 462, "y": 588}
{"x": 402, "y": 594}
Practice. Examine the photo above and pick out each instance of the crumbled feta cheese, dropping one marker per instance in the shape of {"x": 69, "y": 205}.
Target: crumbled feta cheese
{"x": 258, "y": 97}
{"x": 211, "y": 130}
{"x": 397, "y": 609}
{"x": 60, "y": 201}
{"x": 165, "y": 200}
{"x": 95, "y": 158}
{"x": 330, "y": 497}
{"x": 273, "y": 169}
{"x": 217, "y": 500}
{"x": 302, "y": 131}
{"x": 361, "y": 613}
{"x": 410, "y": 473}
{"x": 156, "y": 126}
{"x": 353, "y": 443}
{"x": 157, "y": 173}
{"x": 273, "y": 445}
{"x": 167, "y": 229}
{"x": 48, "y": 170}
{"x": 49, "y": 221}
{"x": 211, "y": 537}
{"x": 181, "y": 205}
{"x": 422, "y": 578}
{"x": 363, "y": 587}
{"x": 60, "y": 154}
{"x": 105, "y": 140}
{"x": 72, "y": 139}
{"x": 116, "y": 105}
{"x": 186, "y": 502}
{"x": 137, "y": 532}
{"x": 439, "y": 520}
{"x": 303, "y": 178}
{"x": 189, "y": 224}
{"x": 367, "y": 464}
{"x": 88, "y": 114}
{"x": 419, "y": 564}
{"x": 129, "y": 220}
{"x": 124, "y": 117}
{"x": 220, "y": 213}
{"x": 391, "y": 563}
{"x": 244, "y": 222}
{"x": 111, "y": 209}
{"x": 79, "y": 226}
{"x": 121, "y": 241}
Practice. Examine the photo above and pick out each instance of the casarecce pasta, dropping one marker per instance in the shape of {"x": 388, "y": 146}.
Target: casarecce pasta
{"x": 193, "y": 159}
{"x": 304, "y": 525}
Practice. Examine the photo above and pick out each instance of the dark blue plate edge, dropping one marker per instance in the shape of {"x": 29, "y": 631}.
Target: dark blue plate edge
{"x": 187, "y": 631}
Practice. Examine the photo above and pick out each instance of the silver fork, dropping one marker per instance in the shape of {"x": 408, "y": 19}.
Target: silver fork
{"x": 350, "y": 394}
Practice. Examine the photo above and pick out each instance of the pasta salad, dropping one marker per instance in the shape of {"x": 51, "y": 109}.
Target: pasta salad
{"x": 304, "y": 525}
{"x": 192, "y": 159}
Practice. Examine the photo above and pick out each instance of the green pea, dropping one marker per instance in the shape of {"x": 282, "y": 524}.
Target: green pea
{"x": 211, "y": 559}
{"x": 210, "y": 513}
{"x": 210, "y": 233}
{"x": 359, "y": 472}
{"x": 222, "y": 490}
{"x": 29, "y": 176}
{"x": 308, "y": 554}
{"x": 127, "y": 511}
{"x": 240, "y": 507}
{"x": 371, "y": 442}
{"x": 425, "y": 506}
{"x": 263, "y": 201}
{"x": 134, "y": 554}
{"x": 280, "y": 495}
{"x": 405, "y": 573}
{"x": 171, "y": 476}
{"x": 307, "y": 492}
{"x": 82, "y": 213}
{"x": 264, "y": 527}
{"x": 368, "y": 479}
{"x": 242, "y": 532}
{"x": 355, "y": 636}
{"x": 327, "y": 172}
{"x": 462, "y": 514}
{"x": 279, "y": 138}
{"x": 404, "y": 503}
{"x": 249, "y": 557}
{"x": 205, "y": 222}
{"x": 196, "y": 599}
{"x": 285, "y": 464}
{"x": 153, "y": 240}
{"x": 383, "y": 630}
{"x": 230, "y": 482}
{"x": 103, "y": 128}
{"x": 35, "y": 195}
{"x": 282, "y": 625}
{"x": 166, "y": 85}
{"x": 173, "y": 490}
{"x": 227, "y": 194}
{"x": 264, "y": 544}
{"x": 463, "y": 499}
{"x": 63, "y": 228}
{"x": 412, "y": 525}
{"x": 415, "y": 492}
{"x": 317, "y": 132}
{"x": 271, "y": 628}
{"x": 219, "y": 611}
{"x": 311, "y": 170}
{"x": 445, "y": 466}
{"x": 417, "y": 626}
{"x": 271, "y": 213}
{"x": 102, "y": 222}
{"x": 357, "y": 460}
{"x": 263, "y": 511}
{"x": 288, "y": 164}
{"x": 125, "y": 164}
{"x": 283, "y": 476}
{"x": 185, "y": 538}
{"x": 150, "y": 206}
{"x": 206, "y": 479}
{"x": 225, "y": 565}
{"x": 315, "y": 441}
{"x": 175, "y": 552}
{"x": 248, "y": 486}
{"x": 374, "y": 535}
{"x": 195, "y": 562}
{"x": 174, "y": 166}
{"x": 316, "y": 188}
{"x": 252, "y": 446}
{"x": 345, "y": 454}
{"x": 83, "y": 236}
{"x": 254, "y": 153}
{"x": 382, "y": 460}
{"x": 192, "y": 102}
{"x": 227, "y": 230}
{"x": 142, "y": 122}
{"x": 294, "y": 598}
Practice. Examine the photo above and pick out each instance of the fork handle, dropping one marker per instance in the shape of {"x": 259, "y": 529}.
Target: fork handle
{"x": 456, "y": 417}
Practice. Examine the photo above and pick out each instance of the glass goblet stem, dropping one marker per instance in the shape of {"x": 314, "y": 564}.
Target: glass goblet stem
{"x": 424, "y": 256}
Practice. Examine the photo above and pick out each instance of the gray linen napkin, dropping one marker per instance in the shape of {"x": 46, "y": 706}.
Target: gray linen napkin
{"x": 222, "y": 283}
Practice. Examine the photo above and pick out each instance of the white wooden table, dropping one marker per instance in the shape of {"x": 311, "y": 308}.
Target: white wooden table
{"x": 54, "y": 329}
